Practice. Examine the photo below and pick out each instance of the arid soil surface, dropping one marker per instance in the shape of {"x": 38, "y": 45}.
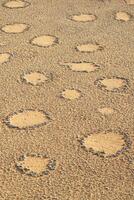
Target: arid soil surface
{"x": 67, "y": 100}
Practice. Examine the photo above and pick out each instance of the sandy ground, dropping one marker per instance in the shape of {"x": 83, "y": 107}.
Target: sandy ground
{"x": 67, "y": 100}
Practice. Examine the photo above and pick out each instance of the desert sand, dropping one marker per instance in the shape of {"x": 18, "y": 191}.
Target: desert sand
{"x": 66, "y": 100}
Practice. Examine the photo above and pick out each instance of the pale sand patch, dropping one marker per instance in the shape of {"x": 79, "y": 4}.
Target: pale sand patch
{"x": 71, "y": 94}
{"x": 4, "y": 57}
{"x": 27, "y": 119}
{"x": 130, "y": 2}
{"x": 82, "y": 66}
{"x": 123, "y": 16}
{"x": 3, "y": 44}
{"x": 34, "y": 78}
{"x": 106, "y": 111}
{"x": 44, "y": 41}
{"x": 35, "y": 164}
{"x": 109, "y": 143}
{"x": 15, "y": 28}
{"x": 16, "y": 4}
{"x": 89, "y": 47}
{"x": 83, "y": 18}
{"x": 112, "y": 84}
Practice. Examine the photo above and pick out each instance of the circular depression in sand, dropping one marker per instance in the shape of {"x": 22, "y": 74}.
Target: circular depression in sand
{"x": 34, "y": 78}
{"x": 4, "y": 57}
{"x": 71, "y": 94}
{"x": 16, "y": 4}
{"x": 35, "y": 164}
{"x": 105, "y": 143}
{"x": 83, "y": 18}
{"x": 130, "y": 2}
{"x": 44, "y": 41}
{"x": 15, "y": 28}
{"x": 113, "y": 84}
{"x": 106, "y": 111}
{"x": 122, "y": 16}
{"x": 89, "y": 47}
{"x": 27, "y": 119}
{"x": 82, "y": 66}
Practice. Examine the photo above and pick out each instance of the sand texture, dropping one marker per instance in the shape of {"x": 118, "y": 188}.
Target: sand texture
{"x": 67, "y": 100}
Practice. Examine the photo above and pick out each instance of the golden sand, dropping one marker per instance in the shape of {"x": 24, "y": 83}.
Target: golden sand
{"x": 130, "y": 2}
{"x": 82, "y": 67}
{"x": 52, "y": 31}
{"x": 4, "y": 57}
{"x": 109, "y": 143}
{"x": 84, "y": 18}
{"x": 34, "y": 78}
{"x": 89, "y": 47}
{"x": 123, "y": 16}
{"x": 44, "y": 41}
{"x": 71, "y": 94}
{"x": 27, "y": 119}
{"x": 16, "y": 4}
{"x": 106, "y": 111}
{"x": 14, "y": 28}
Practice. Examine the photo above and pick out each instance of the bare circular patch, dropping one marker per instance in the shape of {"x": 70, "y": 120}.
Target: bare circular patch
{"x": 130, "y": 2}
{"x": 44, "y": 41}
{"x": 89, "y": 47}
{"x": 71, "y": 94}
{"x": 83, "y": 18}
{"x": 27, "y": 119}
{"x": 16, "y": 4}
{"x": 35, "y": 164}
{"x": 82, "y": 66}
{"x": 15, "y": 28}
{"x": 106, "y": 143}
{"x": 34, "y": 78}
{"x": 123, "y": 16}
{"x": 106, "y": 111}
{"x": 4, "y": 57}
{"x": 114, "y": 84}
